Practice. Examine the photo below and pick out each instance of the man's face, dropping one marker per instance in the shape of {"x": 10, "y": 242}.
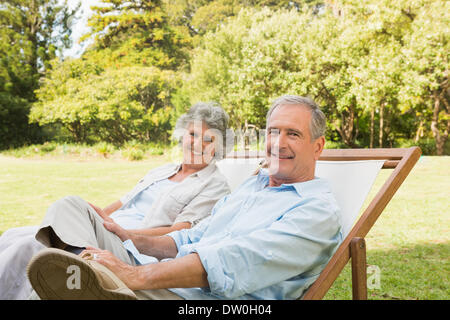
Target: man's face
{"x": 289, "y": 150}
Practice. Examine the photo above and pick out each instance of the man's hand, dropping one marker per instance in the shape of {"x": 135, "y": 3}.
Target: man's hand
{"x": 127, "y": 273}
{"x": 184, "y": 272}
{"x": 101, "y": 213}
{"x": 118, "y": 230}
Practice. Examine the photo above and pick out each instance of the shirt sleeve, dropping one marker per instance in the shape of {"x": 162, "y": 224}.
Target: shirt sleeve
{"x": 201, "y": 205}
{"x": 303, "y": 239}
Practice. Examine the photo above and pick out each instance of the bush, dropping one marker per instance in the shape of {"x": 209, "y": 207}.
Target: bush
{"x": 48, "y": 147}
{"x": 133, "y": 154}
{"x": 134, "y": 150}
{"x": 335, "y": 145}
{"x": 104, "y": 148}
{"x": 427, "y": 145}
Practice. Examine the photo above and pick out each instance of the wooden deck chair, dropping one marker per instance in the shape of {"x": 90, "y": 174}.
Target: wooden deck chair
{"x": 351, "y": 173}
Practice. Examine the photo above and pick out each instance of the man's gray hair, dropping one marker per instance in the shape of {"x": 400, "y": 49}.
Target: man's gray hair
{"x": 215, "y": 117}
{"x": 318, "y": 122}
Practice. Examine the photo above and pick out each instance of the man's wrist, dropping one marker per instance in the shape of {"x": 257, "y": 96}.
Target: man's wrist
{"x": 140, "y": 277}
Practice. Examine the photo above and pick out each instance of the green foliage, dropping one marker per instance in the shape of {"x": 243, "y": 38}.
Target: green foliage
{"x": 128, "y": 33}
{"x": 104, "y": 148}
{"x": 133, "y": 151}
{"x": 120, "y": 89}
{"x": 32, "y": 32}
{"x": 354, "y": 60}
{"x": 426, "y": 57}
{"x": 198, "y": 17}
{"x": 378, "y": 68}
{"x": 427, "y": 145}
{"x": 113, "y": 106}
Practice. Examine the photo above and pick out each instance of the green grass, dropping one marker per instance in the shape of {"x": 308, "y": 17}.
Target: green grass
{"x": 410, "y": 242}
{"x": 28, "y": 187}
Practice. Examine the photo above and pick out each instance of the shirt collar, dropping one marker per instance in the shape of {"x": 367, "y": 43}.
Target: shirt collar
{"x": 204, "y": 173}
{"x": 314, "y": 186}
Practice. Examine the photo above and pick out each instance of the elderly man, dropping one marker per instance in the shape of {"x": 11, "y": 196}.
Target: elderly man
{"x": 269, "y": 239}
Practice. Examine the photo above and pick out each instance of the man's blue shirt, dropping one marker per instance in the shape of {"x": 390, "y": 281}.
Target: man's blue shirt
{"x": 264, "y": 242}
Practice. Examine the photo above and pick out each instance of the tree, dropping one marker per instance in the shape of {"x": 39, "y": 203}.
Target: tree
{"x": 135, "y": 32}
{"x": 361, "y": 61}
{"x": 32, "y": 32}
{"x": 121, "y": 88}
{"x": 201, "y": 16}
{"x": 113, "y": 105}
{"x": 426, "y": 68}
{"x": 254, "y": 58}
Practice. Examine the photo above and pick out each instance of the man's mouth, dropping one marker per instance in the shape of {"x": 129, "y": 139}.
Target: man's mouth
{"x": 282, "y": 157}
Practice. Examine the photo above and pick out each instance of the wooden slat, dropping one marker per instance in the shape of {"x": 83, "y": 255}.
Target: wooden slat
{"x": 363, "y": 154}
{"x": 390, "y": 164}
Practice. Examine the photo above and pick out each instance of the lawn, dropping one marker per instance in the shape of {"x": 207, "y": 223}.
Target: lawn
{"x": 410, "y": 243}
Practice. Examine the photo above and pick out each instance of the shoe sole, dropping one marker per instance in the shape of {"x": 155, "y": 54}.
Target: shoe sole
{"x": 49, "y": 276}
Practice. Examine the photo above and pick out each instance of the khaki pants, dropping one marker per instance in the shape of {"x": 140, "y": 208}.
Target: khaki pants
{"x": 76, "y": 223}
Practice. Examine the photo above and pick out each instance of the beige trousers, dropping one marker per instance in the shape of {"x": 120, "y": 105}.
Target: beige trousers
{"x": 76, "y": 223}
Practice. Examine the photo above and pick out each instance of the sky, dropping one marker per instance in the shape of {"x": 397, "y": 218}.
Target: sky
{"x": 80, "y": 26}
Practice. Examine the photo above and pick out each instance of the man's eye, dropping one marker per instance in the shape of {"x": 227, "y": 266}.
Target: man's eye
{"x": 274, "y": 131}
{"x": 207, "y": 139}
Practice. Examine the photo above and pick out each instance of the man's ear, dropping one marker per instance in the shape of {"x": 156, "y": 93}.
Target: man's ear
{"x": 319, "y": 144}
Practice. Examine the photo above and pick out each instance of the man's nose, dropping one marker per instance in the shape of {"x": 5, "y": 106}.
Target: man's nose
{"x": 280, "y": 141}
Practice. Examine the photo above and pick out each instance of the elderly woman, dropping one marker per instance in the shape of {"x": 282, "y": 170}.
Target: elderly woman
{"x": 168, "y": 198}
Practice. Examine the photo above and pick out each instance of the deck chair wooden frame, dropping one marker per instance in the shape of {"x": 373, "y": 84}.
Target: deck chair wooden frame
{"x": 402, "y": 160}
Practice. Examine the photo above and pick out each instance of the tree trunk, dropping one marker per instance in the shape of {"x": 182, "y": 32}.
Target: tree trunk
{"x": 419, "y": 132}
{"x": 372, "y": 125}
{"x": 439, "y": 137}
{"x": 346, "y": 127}
{"x": 380, "y": 140}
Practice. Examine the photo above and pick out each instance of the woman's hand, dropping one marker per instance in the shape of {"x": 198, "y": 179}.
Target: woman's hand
{"x": 118, "y": 230}
{"x": 101, "y": 212}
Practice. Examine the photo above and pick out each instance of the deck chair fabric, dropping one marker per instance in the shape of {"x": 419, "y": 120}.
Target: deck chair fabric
{"x": 237, "y": 170}
{"x": 351, "y": 182}
{"x": 350, "y": 195}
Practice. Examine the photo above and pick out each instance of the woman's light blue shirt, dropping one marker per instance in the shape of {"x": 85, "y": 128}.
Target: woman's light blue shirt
{"x": 132, "y": 215}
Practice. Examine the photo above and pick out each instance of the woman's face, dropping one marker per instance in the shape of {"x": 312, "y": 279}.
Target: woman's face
{"x": 198, "y": 144}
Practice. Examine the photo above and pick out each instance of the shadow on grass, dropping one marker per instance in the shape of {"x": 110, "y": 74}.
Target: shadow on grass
{"x": 416, "y": 272}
